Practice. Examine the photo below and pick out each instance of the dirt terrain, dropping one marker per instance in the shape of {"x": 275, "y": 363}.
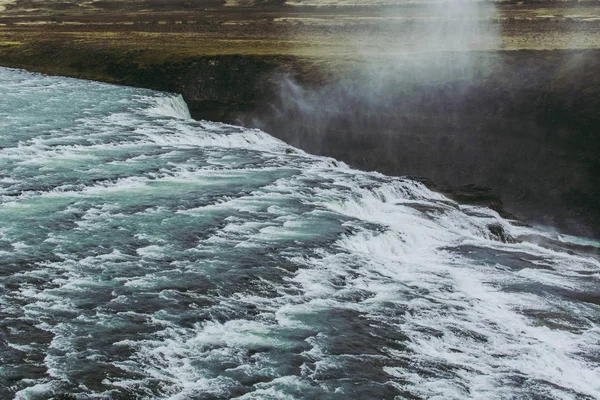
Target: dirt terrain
{"x": 274, "y": 27}
{"x": 502, "y": 95}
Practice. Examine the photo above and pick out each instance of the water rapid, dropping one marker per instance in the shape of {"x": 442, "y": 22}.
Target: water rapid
{"x": 145, "y": 255}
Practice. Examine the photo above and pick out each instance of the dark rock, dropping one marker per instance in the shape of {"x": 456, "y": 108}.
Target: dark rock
{"x": 499, "y": 233}
{"x": 65, "y": 396}
{"x": 477, "y": 195}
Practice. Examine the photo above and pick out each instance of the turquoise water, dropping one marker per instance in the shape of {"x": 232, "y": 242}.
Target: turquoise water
{"x": 144, "y": 255}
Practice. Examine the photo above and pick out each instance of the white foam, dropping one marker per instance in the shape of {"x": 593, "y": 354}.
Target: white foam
{"x": 170, "y": 106}
{"x": 33, "y": 392}
{"x": 213, "y": 135}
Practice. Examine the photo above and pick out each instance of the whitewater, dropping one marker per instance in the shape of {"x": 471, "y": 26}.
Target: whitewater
{"x": 145, "y": 255}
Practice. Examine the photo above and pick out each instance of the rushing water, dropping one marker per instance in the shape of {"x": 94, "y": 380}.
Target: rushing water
{"x": 144, "y": 255}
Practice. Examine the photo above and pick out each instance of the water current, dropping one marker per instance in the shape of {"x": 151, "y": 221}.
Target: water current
{"x": 145, "y": 255}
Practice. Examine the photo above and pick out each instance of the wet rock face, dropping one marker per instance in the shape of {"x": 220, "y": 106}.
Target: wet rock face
{"x": 477, "y": 195}
{"x": 221, "y": 88}
{"x": 215, "y": 88}
{"x": 65, "y": 396}
{"x": 499, "y": 233}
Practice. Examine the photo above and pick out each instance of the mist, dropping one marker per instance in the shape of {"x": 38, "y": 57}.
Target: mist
{"x": 432, "y": 94}
{"x": 398, "y": 69}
